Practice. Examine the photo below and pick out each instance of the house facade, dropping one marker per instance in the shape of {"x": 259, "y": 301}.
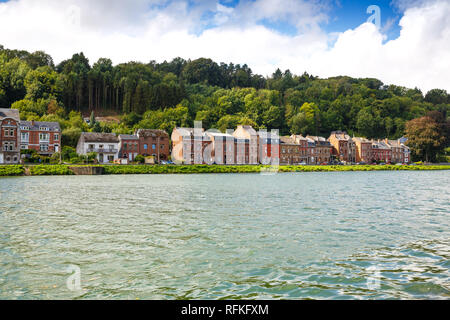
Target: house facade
{"x": 128, "y": 147}
{"x": 344, "y": 147}
{"x": 291, "y": 152}
{"x": 363, "y": 150}
{"x": 222, "y": 149}
{"x": 153, "y": 142}
{"x": 381, "y": 151}
{"x": 188, "y": 145}
{"x": 397, "y": 153}
{"x": 43, "y": 137}
{"x": 248, "y": 135}
{"x": 9, "y": 136}
{"x": 322, "y": 150}
{"x": 268, "y": 148}
{"x": 105, "y": 145}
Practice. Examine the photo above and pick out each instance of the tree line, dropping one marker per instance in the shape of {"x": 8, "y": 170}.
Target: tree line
{"x": 175, "y": 93}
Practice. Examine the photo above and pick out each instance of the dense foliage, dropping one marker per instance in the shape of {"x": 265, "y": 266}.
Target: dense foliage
{"x": 168, "y": 94}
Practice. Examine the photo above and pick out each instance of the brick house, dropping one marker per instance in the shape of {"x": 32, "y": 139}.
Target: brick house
{"x": 291, "y": 152}
{"x": 363, "y": 149}
{"x": 268, "y": 148}
{"x": 128, "y": 146}
{"x": 381, "y": 151}
{"x": 9, "y": 136}
{"x": 398, "y": 155}
{"x": 222, "y": 148}
{"x": 322, "y": 150}
{"x": 188, "y": 145}
{"x": 304, "y": 147}
{"x": 344, "y": 147}
{"x": 43, "y": 137}
{"x": 154, "y": 142}
{"x": 105, "y": 145}
{"x": 247, "y": 134}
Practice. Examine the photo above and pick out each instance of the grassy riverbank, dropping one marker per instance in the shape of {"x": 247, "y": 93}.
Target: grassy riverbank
{"x": 41, "y": 170}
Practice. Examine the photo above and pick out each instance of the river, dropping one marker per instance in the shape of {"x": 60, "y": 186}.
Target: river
{"x": 334, "y": 235}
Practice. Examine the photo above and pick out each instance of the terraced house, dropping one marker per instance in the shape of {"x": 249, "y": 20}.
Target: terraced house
{"x": 105, "y": 145}
{"x": 321, "y": 153}
{"x": 43, "y": 137}
{"x": 344, "y": 147}
{"x": 9, "y": 136}
{"x": 153, "y": 142}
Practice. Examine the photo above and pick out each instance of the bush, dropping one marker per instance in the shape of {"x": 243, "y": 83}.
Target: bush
{"x": 139, "y": 158}
{"x": 12, "y": 170}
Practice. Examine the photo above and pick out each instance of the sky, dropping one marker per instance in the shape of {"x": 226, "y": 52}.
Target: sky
{"x": 409, "y": 45}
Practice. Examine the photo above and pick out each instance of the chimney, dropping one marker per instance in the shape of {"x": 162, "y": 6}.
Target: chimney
{"x": 32, "y": 123}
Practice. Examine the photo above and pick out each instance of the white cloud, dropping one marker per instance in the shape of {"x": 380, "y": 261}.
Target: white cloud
{"x": 144, "y": 30}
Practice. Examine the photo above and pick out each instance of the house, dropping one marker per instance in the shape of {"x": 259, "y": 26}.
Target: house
{"x": 128, "y": 147}
{"x": 189, "y": 144}
{"x": 363, "y": 149}
{"x": 322, "y": 149}
{"x": 397, "y": 152}
{"x": 222, "y": 148}
{"x": 153, "y": 142}
{"x": 43, "y": 137}
{"x": 105, "y": 145}
{"x": 9, "y": 136}
{"x": 381, "y": 151}
{"x": 304, "y": 147}
{"x": 247, "y": 135}
{"x": 268, "y": 147}
{"x": 291, "y": 152}
{"x": 344, "y": 147}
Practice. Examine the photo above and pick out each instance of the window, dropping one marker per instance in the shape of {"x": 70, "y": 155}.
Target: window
{"x": 24, "y": 136}
{"x": 125, "y": 145}
{"x": 43, "y": 129}
{"x": 111, "y": 147}
{"x": 6, "y": 132}
{"x": 56, "y": 136}
{"x": 24, "y": 147}
{"x": 153, "y": 146}
{"x": 145, "y": 146}
{"x": 44, "y": 137}
{"x": 11, "y": 132}
{"x": 91, "y": 147}
{"x": 43, "y": 147}
{"x": 162, "y": 147}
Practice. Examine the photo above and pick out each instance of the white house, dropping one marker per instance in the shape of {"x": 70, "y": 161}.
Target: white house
{"x": 106, "y": 145}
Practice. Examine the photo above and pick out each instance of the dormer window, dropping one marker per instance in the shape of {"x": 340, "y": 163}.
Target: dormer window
{"x": 43, "y": 129}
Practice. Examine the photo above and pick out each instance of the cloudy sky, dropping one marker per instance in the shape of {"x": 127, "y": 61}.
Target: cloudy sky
{"x": 411, "y": 46}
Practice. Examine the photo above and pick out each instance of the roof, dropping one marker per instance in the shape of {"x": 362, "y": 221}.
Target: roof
{"x": 341, "y": 135}
{"x": 128, "y": 137}
{"x": 363, "y": 140}
{"x": 99, "y": 137}
{"x": 36, "y": 125}
{"x": 320, "y": 141}
{"x": 248, "y": 128}
{"x": 150, "y": 133}
{"x": 287, "y": 140}
{"x": 9, "y": 113}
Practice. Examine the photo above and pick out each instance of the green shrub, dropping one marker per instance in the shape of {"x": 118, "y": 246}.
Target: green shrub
{"x": 12, "y": 170}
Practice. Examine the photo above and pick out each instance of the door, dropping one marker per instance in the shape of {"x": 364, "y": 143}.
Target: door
{"x": 100, "y": 158}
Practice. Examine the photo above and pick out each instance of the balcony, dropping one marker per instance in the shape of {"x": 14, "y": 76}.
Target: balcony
{"x": 98, "y": 150}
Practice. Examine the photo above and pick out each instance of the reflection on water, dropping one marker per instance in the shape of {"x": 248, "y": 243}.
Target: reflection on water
{"x": 290, "y": 236}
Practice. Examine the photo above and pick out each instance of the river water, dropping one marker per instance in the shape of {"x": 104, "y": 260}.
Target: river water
{"x": 334, "y": 235}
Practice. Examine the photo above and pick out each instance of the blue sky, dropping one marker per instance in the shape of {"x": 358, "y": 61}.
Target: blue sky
{"x": 322, "y": 37}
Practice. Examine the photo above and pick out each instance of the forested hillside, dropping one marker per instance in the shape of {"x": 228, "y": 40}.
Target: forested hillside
{"x": 175, "y": 93}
